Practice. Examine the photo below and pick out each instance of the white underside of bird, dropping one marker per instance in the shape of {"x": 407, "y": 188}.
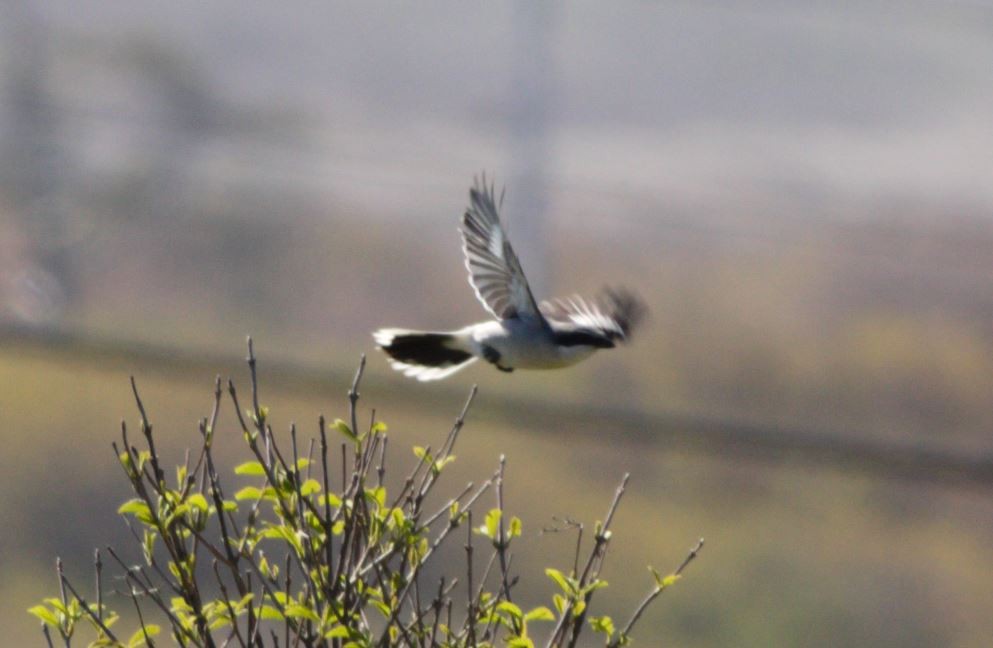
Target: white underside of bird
{"x": 524, "y": 335}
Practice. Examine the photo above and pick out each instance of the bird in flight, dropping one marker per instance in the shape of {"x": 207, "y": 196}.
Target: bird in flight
{"x": 524, "y": 334}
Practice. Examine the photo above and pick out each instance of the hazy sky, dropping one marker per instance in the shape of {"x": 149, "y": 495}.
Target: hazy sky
{"x": 695, "y": 104}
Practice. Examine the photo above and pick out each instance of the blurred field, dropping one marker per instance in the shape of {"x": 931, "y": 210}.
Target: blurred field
{"x": 800, "y": 193}
{"x": 794, "y": 557}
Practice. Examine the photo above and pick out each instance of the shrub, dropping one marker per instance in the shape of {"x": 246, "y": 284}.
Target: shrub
{"x": 298, "y": 561}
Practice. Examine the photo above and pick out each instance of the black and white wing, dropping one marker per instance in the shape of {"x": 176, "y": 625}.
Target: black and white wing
{"x": 613, "y": 314}
{"x": 494, "y": 271}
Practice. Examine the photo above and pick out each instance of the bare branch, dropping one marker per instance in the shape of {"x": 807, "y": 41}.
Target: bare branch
{"x": 85, "y": 606}
{"x": 658, "y": 589}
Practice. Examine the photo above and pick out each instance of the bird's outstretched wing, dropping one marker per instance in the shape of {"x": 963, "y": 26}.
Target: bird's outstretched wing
{"x": 494, "y": 271}
{"x": 614, "y": 313}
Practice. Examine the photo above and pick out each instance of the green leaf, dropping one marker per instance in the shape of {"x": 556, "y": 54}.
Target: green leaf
{"x": 250, "y": 468}
{"x": 104, "y": 642}
{"x": 138, "y": 638}
{"x": 342, "y": 427}
{"x": 383, "y": 608}
{"x": 511, "y": 609}
{"x": 269, "y": 570}
{"x": 331, "y": 498}
{"x": 297, "y": 611}
{"x": 603, "y": 624}
{"x": 179, "y": 604}
{"x": 239, "y": 606}
{"x": 337, "y": 632}
{"x": 438, "y": 465}
{"x": 56, "y": 605}
{"x": 378, "y": 428}
{"x": 282, "y": 532}
{"x": 594, "y": 586}
{"x": 662, "y": 582}
{"x": 198, "y": 501}
{"x": 220, "y": 621}
{"x": 561, "y": 580}
{"x": 270, "y": 613}
{"x": 420, "y": 453}
{"x": 377, "y": 495}
{"x": 45, "y": 615}
{"x": 493, "y": 522}
{"x": 520, "y": 642}
{"x": 248, "y": 493}
{"x": 148, "y": 544}
{"x": 132, "y": 506}
{"x": 516, "y": 526}
{"x": 310, "y": 487}
{"x": 541, "y": 613}
{"x": 137, "y": 508}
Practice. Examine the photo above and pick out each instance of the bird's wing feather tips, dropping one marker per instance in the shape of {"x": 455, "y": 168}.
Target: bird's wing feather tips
{"x": 495, "y": 273}
{"x": 425, "y": 374}
{"x": 614, "y": 313}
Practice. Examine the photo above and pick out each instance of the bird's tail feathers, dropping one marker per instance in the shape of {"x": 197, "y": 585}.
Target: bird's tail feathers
{"x": 424, "y": 355}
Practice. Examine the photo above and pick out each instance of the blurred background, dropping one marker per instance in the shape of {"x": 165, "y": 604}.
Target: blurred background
{"x": 801, "y": 192}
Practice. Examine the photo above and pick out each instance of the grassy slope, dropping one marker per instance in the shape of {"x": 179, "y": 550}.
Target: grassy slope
{"x": 794, "y": 556}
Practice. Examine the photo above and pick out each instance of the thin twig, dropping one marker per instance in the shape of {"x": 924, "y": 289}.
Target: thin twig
{"x": 501, "y": 539}
{"x": 98, "y": 568}
{"x": 600, "y": 539}
{"x": 62, "y": 595}
{"x": 86, "y": 607}
{"x": 658, "y": 589}
{"x": 146, "y": 429}
{"x": 141, "y": 621}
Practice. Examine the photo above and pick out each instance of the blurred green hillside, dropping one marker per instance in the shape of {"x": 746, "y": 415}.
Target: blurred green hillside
{"x": 880, "y": 328}
{"x": 795, "y": 557}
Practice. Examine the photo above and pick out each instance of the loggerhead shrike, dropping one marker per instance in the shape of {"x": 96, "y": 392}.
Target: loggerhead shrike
{"x": 524, "y": 335}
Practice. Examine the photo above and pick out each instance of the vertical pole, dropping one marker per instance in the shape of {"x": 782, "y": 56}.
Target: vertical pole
{"x": 531, "y": 99}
